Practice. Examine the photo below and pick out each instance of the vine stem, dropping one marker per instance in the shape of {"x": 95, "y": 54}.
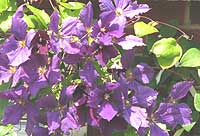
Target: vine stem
{"x": 51, "y": 3}
{"x": 166, "y": 24}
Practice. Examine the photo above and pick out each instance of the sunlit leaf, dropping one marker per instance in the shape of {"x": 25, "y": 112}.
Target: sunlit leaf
{"x": 141, "y": 29}
{"x": 167, "y": 51}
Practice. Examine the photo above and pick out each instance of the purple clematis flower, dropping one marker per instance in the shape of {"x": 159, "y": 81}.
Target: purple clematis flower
{"x": 17, "y": 48}
{"x": 68, "y": 38}
{"x": 106, "y": 99}
{"x": 170, "y": 113}
{"x": 22, "y": 106}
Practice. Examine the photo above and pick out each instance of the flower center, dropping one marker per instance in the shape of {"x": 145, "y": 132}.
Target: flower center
{"x": 103, "y": 29}
{"x": 22, "y": 44}
{"x": 118, "y": 11}
{"x": 106, "y": 96}
{"x": 74, "y": 39}
{"x": 41, "y": 70}
{"x": 12, "y": 69}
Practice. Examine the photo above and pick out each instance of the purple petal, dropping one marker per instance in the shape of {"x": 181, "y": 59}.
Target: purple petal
{"x": 69, "y": 122}
{"x": 127, "y": 59}
{"x": 89, "y": 73}
{"x": 106, "y": 5}
{"x": 134, "y": 9}
{"x": 35, "y": 87}
{"x": 19, "y": 56}
{"x": 9, "y": 45}
{"x": 39, "y": 131}
{"x": 47, "y": 102}
{"x": 13, "y": 114}
{"x": 67, "y": 94}
{"x": 95, "y": 97}
{"x": 157, "y": 131}
{"x": 54, "y": 22}
{"x": 68, "y": 25}
{"x": 106, "y": 54}
{"x": 72, "y": 58}
{"x": 180, "y": 89}
{"x": 136, "y": 117}
{"x": 108, "y": 111}
{"x": 144, "y": 96}
{"x": 53, "y": 121}
{"x": 130, "y": 42}
{"x": 71, "y": 48}
{"x": 18, "y": 27}
{"x": 143, "y": 72}
{"x": 86, "y": 15}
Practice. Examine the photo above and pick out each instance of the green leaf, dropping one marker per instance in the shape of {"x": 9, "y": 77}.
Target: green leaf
{"x": 3, "y": 5}
{"x": 141, "y": 29}
{"x": 190, "y": 58}
{"x": 5, "y": 21}
{"x": 72, "y": 5}
{"x": 5, "y": 130}
{"x": 130, "y": 132}
{"x": 167, "y": 51}
{"x": 179, "y": 132}
{"x": 31, "y": 21}
{"x": 197, "y": 101}
{"x": 42, "y": 16}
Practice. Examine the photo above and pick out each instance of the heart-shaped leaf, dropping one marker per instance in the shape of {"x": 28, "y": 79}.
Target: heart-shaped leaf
{"x": 141, "y": 29}
{"x": 167, "y": 51}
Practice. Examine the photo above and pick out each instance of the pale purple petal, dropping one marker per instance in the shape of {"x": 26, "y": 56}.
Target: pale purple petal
{"x": 130, "y": 41}
{"x": 19, "y": 56}
{"x": 108, "y": 111}
{"x": 136, "y": 117}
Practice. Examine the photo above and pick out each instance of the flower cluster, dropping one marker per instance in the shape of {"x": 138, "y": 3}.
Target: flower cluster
{"x": 63, "y": 78}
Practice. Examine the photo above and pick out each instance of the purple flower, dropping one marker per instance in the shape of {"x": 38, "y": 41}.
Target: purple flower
{"x": 173, "y": 114}
{"x": 108, "y": 28}
{"x": 18, "y": 49}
